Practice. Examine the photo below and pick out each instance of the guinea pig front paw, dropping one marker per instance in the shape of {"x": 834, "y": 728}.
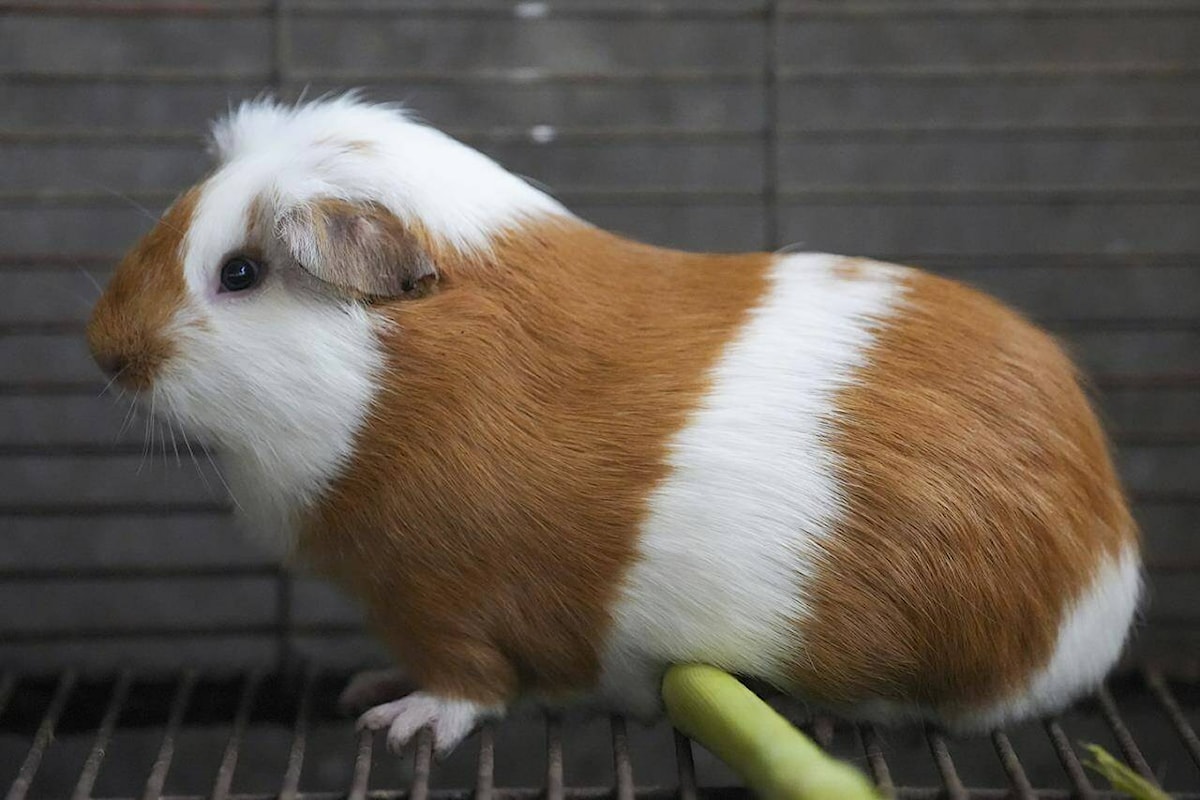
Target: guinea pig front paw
{"x": 372, "y": 687}
{"x": 450, "y": 720}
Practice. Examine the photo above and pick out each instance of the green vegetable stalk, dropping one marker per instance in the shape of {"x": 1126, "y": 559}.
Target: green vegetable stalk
{"x": 777, "y": 761}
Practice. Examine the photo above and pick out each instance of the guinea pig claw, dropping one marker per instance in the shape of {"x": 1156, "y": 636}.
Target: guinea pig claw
{"x": 450, "y": 721}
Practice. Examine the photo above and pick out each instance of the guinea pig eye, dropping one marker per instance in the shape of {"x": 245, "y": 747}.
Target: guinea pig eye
{"x": 239, "y": 273}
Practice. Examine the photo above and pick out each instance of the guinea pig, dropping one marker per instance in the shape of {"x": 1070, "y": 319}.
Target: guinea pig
{"x": 551, "y": 461}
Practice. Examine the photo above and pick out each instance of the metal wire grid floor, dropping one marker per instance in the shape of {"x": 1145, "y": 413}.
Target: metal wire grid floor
{"x": 44, "y": 717}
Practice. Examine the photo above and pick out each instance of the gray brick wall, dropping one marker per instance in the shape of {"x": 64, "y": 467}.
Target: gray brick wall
{"x": 1046, "y": 151}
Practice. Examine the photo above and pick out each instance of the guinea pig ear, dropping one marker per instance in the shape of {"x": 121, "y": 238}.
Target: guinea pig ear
{"x": 362, "y": 249}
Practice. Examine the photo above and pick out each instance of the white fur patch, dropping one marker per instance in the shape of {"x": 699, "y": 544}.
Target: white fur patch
{"x": 1090, "y": 639}
{"x": 352, "y": 150}
{"x": 728, "y": 543}
{"x": 281, "y": 383}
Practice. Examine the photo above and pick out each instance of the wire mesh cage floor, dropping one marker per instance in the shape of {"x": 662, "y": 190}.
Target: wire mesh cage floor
{"x": 253, "y": 735}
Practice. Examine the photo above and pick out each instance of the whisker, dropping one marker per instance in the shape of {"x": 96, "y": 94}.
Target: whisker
{"x": 221, "y": 478}
{"x": 174, "y": 446}
{"x": 157, "y": 218}
{"x": 90, "y": 277}
{"x": 199, "y": 471}
{"x": 148, "y": 436}
{"x": 145, "y": 441}
{"x": 153, "y": 425}
{"x": 128, "y": 419}
{"x": 111, "y": 381}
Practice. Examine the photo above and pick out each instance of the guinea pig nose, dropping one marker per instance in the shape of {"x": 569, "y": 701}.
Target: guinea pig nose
{"x": 112, "y": 363}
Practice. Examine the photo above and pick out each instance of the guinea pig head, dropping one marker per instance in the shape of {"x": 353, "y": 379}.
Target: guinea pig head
{"x": 246, "y": 316}
{"x": 252, "y": 314}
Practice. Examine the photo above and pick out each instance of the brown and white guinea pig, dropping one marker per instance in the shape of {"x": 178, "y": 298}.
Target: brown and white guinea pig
{"x": 551, "y": 461}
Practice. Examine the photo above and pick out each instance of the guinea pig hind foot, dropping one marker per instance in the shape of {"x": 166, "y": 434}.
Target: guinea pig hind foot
{"x": 372, "y": 687}
{"x": 450, "y": 720}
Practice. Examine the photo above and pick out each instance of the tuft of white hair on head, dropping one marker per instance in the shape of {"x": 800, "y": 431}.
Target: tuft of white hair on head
{"x": 261, "y": 121}
{"x": 343, "y": 147}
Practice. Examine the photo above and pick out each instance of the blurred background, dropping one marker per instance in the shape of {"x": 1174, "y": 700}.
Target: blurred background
{"x": 1047, "y": 151}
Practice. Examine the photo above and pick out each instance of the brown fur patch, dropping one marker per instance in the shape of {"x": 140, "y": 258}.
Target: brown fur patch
{"x": 982, "y": 499}
{"x": 126, "y": 332}
{"x": 494, "y": 499}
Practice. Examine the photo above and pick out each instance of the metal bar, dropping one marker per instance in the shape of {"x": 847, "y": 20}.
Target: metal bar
{"x": 71, "y": 261}
{"x": 1158, "y": 439}
{"x": 422, "y": 765}
{"x": 1174, "y": 567}
{"x": 876, "y": 763}
{"x": 163, "y": 75}
{"x": 994, "y": 72}
{"x": 1044, "y": 260}
{"x": 1162, "y": 693}
{"x": 1159, "y": 380}
{"x": 1129, "y": 748}
{"x": 612, "y": 11}
{"x": 1021, "y": 786}
{"x": 108, "y": 724}
{"x": 922, "y": 793}
{"x": 685, "y": 765}
{"x": 518, "y": 76}
{"x": 554, "y": 758}
{"x": 978, "y": 195}
{"x": 485, "y": 769}
{"x": 824, "y": 195}
{"x": 770, "y": 135}
{"x": 117, "y": 137}
{"x": 945, "y": 765}
{"x": 1110, "y": 325}
{"x": 622, "y": 766}
{"x": 1070, "y": 762}
{"x": 986, "y": 8}
{"x": 76, "y": 449}
{"x": 149, "y": 509}
{"x": 165, "y": 632}
{"x": 131, "y": 8}
{"x": 42, "y": 738}
{"x": 290, "y": 790}
{"x": 1181, "y": 129}
{"x": 166, "y": 751}
{"x": 98, "y": 137}
{"x": 241, "y": 718}
{"x": 135, "y": 572}
{"x": 631, "y": 10}
{"x": 362, "y": 766}
{"x": 527, "y": 11}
